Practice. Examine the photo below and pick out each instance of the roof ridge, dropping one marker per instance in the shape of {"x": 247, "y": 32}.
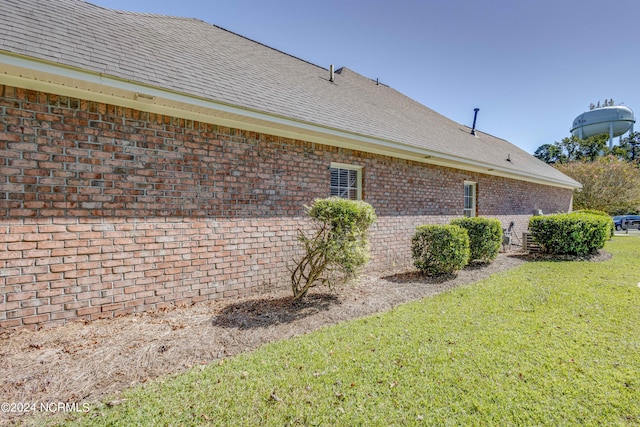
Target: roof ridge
{"x": 158, "y": 15}
{"x": 152, "y": 15}
{"x": 265, "y": 45}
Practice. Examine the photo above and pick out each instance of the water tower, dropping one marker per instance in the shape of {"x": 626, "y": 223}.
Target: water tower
{"x": 614, "y": 120}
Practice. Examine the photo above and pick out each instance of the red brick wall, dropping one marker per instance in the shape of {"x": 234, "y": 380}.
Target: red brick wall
{"x": 58, "y": 268}
{"x": 107, "y": 210}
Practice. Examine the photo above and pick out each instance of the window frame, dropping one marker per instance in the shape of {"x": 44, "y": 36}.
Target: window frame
{"x": 349, "y": 167}
{"x": 472, "y": 211}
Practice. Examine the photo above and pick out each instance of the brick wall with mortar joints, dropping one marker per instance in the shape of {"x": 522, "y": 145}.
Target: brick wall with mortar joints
{"x": 145, "y": 166}
{"x": 110, "y": 210}
{"x": 158, "y": 263}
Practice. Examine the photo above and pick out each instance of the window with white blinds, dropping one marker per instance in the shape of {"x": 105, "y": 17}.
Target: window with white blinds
{"x": 346, "y": 181}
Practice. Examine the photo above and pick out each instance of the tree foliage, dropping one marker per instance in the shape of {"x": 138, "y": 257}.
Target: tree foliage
{"x": 339, "y": 245}
{"x": 573, "y": 149}
{"x": 608, "y": 184}
{"x": 629, "y": 148}
{"x": 550, "y": 153}
{"x": 610, "y": 176}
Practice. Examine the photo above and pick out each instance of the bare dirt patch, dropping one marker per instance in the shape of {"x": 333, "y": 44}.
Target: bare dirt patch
{"x": 88, "y": 362}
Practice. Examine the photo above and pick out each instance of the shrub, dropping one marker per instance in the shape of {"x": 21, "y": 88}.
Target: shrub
{"x": 440, "y": 249}
{"x": 600, "y": 213}
{"x": 485, "y": 237}
{"x": 570, "y": 234}
{"x": 338, "y": 247}
{"x": 591, "y": 212}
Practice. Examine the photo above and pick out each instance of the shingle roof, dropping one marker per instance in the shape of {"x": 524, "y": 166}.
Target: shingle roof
{"x": 195, "y": 58}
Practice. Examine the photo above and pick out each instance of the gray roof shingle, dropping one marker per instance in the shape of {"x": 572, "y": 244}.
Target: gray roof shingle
{"x": 195, "y": 58}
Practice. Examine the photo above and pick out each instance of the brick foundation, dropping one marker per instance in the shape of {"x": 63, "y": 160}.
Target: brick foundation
{"x": 56, "y": 269}
{"x": 107, "y": 210}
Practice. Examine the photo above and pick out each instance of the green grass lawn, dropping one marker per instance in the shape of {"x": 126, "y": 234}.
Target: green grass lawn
{"x": 548, "y": 343}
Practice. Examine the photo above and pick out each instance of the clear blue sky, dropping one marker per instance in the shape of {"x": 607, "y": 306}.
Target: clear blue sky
{"x": 530, "y": 66}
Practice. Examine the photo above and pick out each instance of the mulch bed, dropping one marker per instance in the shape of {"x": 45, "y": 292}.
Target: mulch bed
{"x": 87, "y": 362}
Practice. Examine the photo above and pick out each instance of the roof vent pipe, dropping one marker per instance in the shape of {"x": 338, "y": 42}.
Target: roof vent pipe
{"x": 331, "y": 73}
{"x": 475, "y": 116}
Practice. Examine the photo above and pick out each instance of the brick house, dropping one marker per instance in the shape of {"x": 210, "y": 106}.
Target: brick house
{"x": 147, "y": 161}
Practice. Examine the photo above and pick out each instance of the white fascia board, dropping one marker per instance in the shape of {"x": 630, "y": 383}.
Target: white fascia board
{"x": 43, "y": 76}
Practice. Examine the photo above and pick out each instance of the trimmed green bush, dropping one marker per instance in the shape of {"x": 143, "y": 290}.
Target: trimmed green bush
{"x": 440, "y": 249}
{"x": 340, "y": 245}
{"x": 485, "y": 237}
{"x": 600, "y": 213}
{"x": 591, "y": 212}
{"x": 570, "y": 234}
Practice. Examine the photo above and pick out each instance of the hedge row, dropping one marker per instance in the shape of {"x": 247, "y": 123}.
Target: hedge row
{"x": 445, "y": 249}
{"x": 340, "y": 243}
{"x": 576, "y": 233}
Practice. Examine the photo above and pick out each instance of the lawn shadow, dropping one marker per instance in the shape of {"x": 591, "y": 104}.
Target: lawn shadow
{"x": 416, "y": 276}
{"x": 262, "y": 313}
{"x": 599, "y": 256}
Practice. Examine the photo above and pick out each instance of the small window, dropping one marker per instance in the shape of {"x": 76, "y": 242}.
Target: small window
{"x": 470, "y": 194}
{"x": 346, "y": 181}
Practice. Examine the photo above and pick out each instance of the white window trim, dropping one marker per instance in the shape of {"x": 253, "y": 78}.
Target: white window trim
{"x": 474, "y": 199}
{"x": 358, "y": 170}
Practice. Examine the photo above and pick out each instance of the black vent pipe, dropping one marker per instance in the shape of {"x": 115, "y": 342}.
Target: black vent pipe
{"x": 475, "y": 116}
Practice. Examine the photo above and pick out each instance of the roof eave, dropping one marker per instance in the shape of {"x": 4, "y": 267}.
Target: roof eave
{"x": 33, "y": 74}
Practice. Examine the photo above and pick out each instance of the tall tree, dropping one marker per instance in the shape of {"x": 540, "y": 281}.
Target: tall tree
{"x": 573, "y": 149}
{"x": 629, "y": 148}
{"x": 550, "y": 153}
{"x": 593, "y": 147}
{"x": 569, "y": 147}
